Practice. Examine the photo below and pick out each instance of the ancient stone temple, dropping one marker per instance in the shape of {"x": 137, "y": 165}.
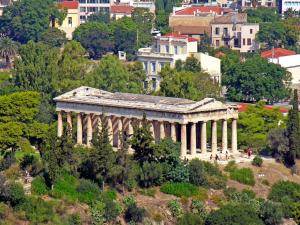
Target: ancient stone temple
{"x": 183, "y": 120}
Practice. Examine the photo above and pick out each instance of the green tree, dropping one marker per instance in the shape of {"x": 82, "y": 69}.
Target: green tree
{"x": 95, "y": 37}
{"x": 256, "y": 79}
{"x": 192, "y": 64}
{"x": 99, "y": 17}
{"x": 278, "y": 142}
{"x": 8, "y": 49}
{"x": 293, "y": 132}
{"x": 271, "y": 213}
{"x": 29, "y": 19}
{"x": 262, "y": 14}
{"x": 54, "y": 37}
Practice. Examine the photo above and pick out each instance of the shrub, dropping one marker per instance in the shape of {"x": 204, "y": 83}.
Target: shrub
{"x": 74, "y": 219}
{"x": 151, "y": 174}
{"x": 135, "y": 214}
{"x": 179, "y": 189}
{"x": 198, "y": 207}
{"x": 257, "y": 161}
{"x": 236, "y": 214}
{"x": 129, "y": 200}
{"x": 148, "y": 192}
{"x": 16, "y": 193}
{"x": 13, "y": 172}
{"x": 244, "y": 176}
{"x": 285, "y": 190}
{"x": 4, "y": 209}
{"x": 65, "y": 187}
{"x": 190, "y": 219}
{"x": 7, "y": 161}
{"x": 250, "y": 193}
{"x": 216, "y": 182}
{"x": 38, "y": 186}
{"x": 231, "y": 166}
{"x": 111, "y": 209}
{"x": 97, "y": 212}
{"x": 197, "y": 174}
{"x": 176, "y": 208}
{"x": 37, "y": 211}
{"x": 202, "y": 194}
{"x": 88, "y": 191}
{"x": 296, "y": 212}
{"x": 32, "y": 164}
{"x": 271, "y": 213}
{"x": 111, "y": 194}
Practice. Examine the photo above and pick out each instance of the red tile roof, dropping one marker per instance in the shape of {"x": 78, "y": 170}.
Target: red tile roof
{"x": 242, "y": 107}
{"x": 126, "y": 9}
{"x": 278, "y": 52}
{"x": 175, "y": 35}
{"x": 220, "y": 54}
{"x": 200, "y": 9}
{"x": 69, "y": 4}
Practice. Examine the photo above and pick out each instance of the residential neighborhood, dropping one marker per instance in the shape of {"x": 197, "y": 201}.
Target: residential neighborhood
{"x": 139, "y": 112}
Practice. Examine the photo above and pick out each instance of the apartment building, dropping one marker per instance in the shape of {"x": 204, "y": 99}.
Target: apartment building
{"x": 88, "y": 7}
{"x": 233, "y": 31}
{"x": 258, "y": 3}
{"x": 284, "y": 5}
{"x": 167, "y": 50}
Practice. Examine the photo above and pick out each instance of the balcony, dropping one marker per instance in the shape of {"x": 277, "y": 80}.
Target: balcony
{"x": 226, "y": 36}
{"x": 148, "y": 52}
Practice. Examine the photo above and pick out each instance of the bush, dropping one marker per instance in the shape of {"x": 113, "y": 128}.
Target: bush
{"x": 148, "y": 192}
{"x": 129, "y": 200}
{"x": 179, "y": 189}
{"x": 38, "y": 186}
{"x": 257, "y": 161}
{"x": 151, "y": 174}
{"x": 175, "y": 208}
{"x": 296, "y": 212}
{"x": 65, "y": 187}
{"x": 111, "y": 209}
{"x": 74, "y": 219}
{"x": 4, "y": 209}
{"x": 88, "y": 191}
{"x": 190, "y": 219}
{"x": 16, "y": 193}
{"x": 285, "y": 190}
{"x": 32, "y": 164}
{"x": 271, "y": 213}
{"x": 233, "y": 214}
{"x": 111, "y": 194}
{"x": 198, "y": 207}
{"x": 231, "y": 166}
{"x": 197, "y": 174}
{"x": 135, "y": 214}
{"x": 244, "y": 176}
{"x": 7, "y": 161}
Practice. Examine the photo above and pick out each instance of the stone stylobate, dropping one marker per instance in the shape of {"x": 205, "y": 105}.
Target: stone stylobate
{"x": 183, "y": 120}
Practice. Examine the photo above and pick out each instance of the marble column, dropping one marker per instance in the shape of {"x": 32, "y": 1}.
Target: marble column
{"x": 89, "y": 130}
{"x": 161, "y": 130}
{"x": 224, "y": 136}
{"x": 193, "y": 139}
{"x": 173, "y": 132}
{"x": 183, "y": 141}
{"x": 59, "y": 124}
{"x": 110, "y": 130}
{"x": 203, "y": 137}
{"x": 214, "y": 143}
{"x": 99, "y": 123}
{"x": 120, "y": 131}
{"x": 130, "y": 133}
{"x": 69, "y": 120}
{"x": 152, "y": 130}
{"x": 79, "y": 129}
{"x": 234, "y": 136}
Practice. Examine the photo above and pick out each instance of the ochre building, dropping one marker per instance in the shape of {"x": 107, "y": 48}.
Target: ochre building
{"x": 183, "y": 120}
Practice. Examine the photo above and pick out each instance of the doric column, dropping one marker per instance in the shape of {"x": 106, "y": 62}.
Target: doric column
{"x": 130, "y": 133}
{"x": 69, "y": 120}
{"x": 161, "y": 130}
{"x": 89, "y": 130}
{"x": 59, "y": 124}
{"x": 193, "y": 139}
{"x": 120, "y": 131}
{"x": 173, "y": 132}
{"x": 183, "y": 141}
{"x": 234, "y": 136}
{"x": 79, "y": 129}
{"x": 110, "y": 130}
{"x": 214, "y": 144}
{"x": 99, "y": 123}
{"x": 224, "y": 135}
{"x": 152, "y": 130}
{"x": 203, "y": 137}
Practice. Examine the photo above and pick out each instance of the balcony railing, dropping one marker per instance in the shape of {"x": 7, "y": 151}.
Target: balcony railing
{"x": 149, "y": 53}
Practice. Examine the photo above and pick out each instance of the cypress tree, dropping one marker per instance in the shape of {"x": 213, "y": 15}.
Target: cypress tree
{"x": 293, "y": 132}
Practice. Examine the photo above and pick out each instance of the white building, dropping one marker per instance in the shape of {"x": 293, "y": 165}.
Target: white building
{"x": 88, "y": 7}
{"x": 168, "y": 49}
{"x": 265, "y": 3}
{"x": 284, "y": 5}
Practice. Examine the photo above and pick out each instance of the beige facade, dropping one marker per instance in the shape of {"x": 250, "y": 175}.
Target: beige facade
{"x": 183, "y": 120}
{"x": 233, "y": 31}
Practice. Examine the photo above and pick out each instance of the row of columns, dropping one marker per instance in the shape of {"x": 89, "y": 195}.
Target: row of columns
{"x": 120, "y": 122}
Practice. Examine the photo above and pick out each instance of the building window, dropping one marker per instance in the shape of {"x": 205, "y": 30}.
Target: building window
{"x": 217, "y": 43}
{"x": 251, "y": 31}
{"x": 82, "y": 1}
{"x": 82, "y": 9}
{"x": 167, "y": 48}
{"x": 154, "y": 84}
{"x": 217, "y": 30}
{"x": 145, "y": 66}
{"x": 153, "y": 67}
{"x": 162, "y": 65}
{"x": 70, "y": 21}
{"x": 225, "y": 30}
{"x": 175, "y": 50}
{"x": 248, "y": 41}
{"x": 244, "y": 41}
{"x": 82, "y": 19}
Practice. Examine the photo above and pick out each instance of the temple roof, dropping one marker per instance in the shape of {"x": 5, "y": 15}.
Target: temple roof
{"x": 93, "y": 96}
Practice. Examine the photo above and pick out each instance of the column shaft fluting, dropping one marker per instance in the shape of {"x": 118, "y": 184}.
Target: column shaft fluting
{"x": 224, "y": 136}
{"x": 203, "y": 137}
{"x": 110, "y": 130}
{"x": 59, "y": 124}
{"x": 120, "y": 131}
{"x": 89, "y": 130}
{"x": 214, "y": 142}
{"x": 173, "y": 132}
{"x": 69, "y": 120}
{"x": 183, "y": 141}
{"x": 161, "y": 130}
{"x": 79, "y": 129}
{"x": 152, "y": 130}
{"x": 234, "y": 136}
{"x": 193, "y": 139}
